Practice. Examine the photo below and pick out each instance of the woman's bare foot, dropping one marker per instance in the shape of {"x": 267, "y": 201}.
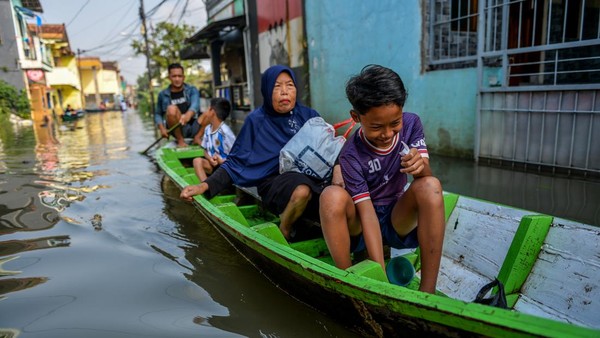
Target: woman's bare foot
{"x": 192, "y": 190}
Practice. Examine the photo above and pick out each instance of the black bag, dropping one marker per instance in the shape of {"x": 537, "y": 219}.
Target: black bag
{"x": 498, "y": 299}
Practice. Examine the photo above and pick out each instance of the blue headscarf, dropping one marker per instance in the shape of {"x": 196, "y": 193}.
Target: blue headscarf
{"x": 255, "y": 153}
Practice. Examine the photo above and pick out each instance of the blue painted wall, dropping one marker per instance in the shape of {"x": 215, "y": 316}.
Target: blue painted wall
{"x": 345, "y": 35}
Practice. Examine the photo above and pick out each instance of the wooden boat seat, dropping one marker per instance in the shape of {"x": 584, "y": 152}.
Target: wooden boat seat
{"x": 252, "y": 191}
{"x": 271, "y": 231}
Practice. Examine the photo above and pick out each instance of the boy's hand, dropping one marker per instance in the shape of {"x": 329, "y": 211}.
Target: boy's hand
{"x": 412, "y": 162}
{"x": 218, "y": 159}
{"x": 213, "y": 160}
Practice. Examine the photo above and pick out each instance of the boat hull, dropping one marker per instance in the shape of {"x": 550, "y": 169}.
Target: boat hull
{"x": 357, "y": 297}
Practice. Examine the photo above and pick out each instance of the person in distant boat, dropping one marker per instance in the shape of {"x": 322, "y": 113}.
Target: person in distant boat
{"x": 218, "y": 138}
{"x": 254, "y": 157}
{"x": 123, "y": 105}
{"x": 179, "y": 103}
{"x": 68, "y": 109}
{"x": 375, "y": 208}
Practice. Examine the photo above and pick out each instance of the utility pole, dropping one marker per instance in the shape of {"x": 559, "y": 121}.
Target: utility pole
{"x": 147, "y": 52}
{"x": 81, "y": 92}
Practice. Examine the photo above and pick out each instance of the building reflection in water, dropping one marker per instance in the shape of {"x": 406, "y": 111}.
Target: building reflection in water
{"x": 37, "y": 190}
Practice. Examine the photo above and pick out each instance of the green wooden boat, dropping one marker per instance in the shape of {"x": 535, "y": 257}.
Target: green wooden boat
{"x": 73, "y": 115}
{"x": 550, "y": 268}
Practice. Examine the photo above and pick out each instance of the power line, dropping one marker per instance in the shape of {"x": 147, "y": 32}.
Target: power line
{"x": 182, "y": 12}
{"x": 79, "y": 11}
{"x": 108, "y": 35}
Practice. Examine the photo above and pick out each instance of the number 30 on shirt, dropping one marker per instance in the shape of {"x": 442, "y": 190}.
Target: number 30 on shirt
{"x": 374, "y": 165}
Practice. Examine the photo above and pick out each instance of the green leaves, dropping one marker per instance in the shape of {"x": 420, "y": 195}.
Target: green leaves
{"x": 13, "y": 101}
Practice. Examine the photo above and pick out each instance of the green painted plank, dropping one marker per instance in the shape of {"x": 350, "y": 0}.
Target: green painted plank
{"x": 231, "y": 210}
{"x": 271, "y": 231}
{"x": 312, "y": 247}
{"x": 450, "y": 201}
{"x": 370, "y": 269}
{"x": 523, "y": 252}
{"x": 191, "y": 179}
{"x": 220, "y": 199}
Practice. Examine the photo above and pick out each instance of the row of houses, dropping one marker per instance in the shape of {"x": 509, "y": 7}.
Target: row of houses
{"x": 503, "y": 81}
{"x": 38, "y": 58}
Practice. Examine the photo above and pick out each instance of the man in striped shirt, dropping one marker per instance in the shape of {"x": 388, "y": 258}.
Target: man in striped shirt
{"x": 377, "y": 208}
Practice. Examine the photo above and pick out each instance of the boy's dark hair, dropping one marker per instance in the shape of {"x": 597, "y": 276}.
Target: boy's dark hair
{"x": 221, "y": 106}
{"x": 174, "y": 66}
{"x": 375, "y": 86}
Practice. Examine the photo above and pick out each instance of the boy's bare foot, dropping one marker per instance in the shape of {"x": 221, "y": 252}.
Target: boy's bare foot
{"x": 181, "y": 144}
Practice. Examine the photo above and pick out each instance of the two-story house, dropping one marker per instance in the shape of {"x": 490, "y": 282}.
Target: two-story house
{"x": 101, "y": 83}
{"x": 23, "y": 56}
{"x": 63, "y": 79}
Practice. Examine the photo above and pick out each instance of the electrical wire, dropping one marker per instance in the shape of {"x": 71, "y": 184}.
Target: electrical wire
{"x": 79, "y": 11}
{"x": 182, "y": 12}
{"x": 125, "y": 13}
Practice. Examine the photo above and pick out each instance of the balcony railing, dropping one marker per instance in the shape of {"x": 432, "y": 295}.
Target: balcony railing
{"x": 62, "y": 76}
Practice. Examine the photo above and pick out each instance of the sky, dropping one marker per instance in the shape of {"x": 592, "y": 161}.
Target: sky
{"x": 105, "y": 28}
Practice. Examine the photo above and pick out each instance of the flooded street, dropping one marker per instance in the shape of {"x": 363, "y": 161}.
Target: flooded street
{"x": 94, "y": 242}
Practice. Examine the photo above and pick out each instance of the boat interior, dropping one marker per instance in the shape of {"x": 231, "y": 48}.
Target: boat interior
{"x": 544, "y": 263}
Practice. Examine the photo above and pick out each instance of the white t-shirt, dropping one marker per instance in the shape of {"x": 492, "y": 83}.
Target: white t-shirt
{"x": 218, "y": 141}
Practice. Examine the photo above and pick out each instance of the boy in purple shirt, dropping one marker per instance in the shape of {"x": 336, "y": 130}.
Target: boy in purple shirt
{"x": 375, "y": 162}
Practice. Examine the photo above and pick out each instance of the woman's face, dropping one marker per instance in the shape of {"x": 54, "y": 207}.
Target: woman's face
{"x": 284, "y": 94}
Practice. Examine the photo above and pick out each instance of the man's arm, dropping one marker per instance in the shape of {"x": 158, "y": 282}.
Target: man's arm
{"x": 371, "y": 231}
{"x": 158, "y": 116}
{"x": 194, "y": 108}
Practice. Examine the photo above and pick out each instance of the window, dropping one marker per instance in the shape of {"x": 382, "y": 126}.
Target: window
{"x": 453, "y": 31}
{"x": 530, "y": 42}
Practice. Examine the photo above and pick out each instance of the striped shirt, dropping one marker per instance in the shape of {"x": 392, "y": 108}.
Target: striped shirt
{"x": 218, "y": 141}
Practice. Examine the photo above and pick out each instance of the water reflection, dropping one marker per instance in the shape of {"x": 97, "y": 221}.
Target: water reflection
{"x": 233, "y": 281}
{"x": 61, "y": 155}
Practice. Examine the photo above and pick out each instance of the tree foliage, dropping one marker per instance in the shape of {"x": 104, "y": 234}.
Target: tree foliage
{"x": 13, "y": 101}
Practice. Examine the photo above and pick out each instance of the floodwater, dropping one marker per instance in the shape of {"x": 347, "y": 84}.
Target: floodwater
{"x": 94, "y": 242}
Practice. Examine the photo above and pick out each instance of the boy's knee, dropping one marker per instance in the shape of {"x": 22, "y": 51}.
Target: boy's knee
{"x": 334, "y": 195}
{"x": 428, "y": 184}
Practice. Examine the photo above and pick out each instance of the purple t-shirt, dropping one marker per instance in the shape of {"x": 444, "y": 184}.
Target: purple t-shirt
{"x": 374, "y": 173}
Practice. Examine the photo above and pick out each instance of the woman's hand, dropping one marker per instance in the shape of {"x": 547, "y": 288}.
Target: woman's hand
{"x": 338, "y": 179}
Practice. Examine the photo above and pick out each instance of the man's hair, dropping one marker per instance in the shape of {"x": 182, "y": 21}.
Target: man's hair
{"x": 375, "y": 86}
{"x": 221, "y": 106}
{"x": 174, "y": 66}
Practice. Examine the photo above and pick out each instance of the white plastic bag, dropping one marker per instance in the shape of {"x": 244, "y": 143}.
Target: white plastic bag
{"x": 312, "y": 151}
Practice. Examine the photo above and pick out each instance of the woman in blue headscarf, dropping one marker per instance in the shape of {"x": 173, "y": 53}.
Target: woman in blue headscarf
{"x": 254, "y": 157}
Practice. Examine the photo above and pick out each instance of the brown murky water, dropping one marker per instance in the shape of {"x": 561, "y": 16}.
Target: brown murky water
{"x": 95, "y": 243}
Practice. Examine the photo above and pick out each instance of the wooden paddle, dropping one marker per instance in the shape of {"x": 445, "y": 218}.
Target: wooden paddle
{"x": 160, "y": 138}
